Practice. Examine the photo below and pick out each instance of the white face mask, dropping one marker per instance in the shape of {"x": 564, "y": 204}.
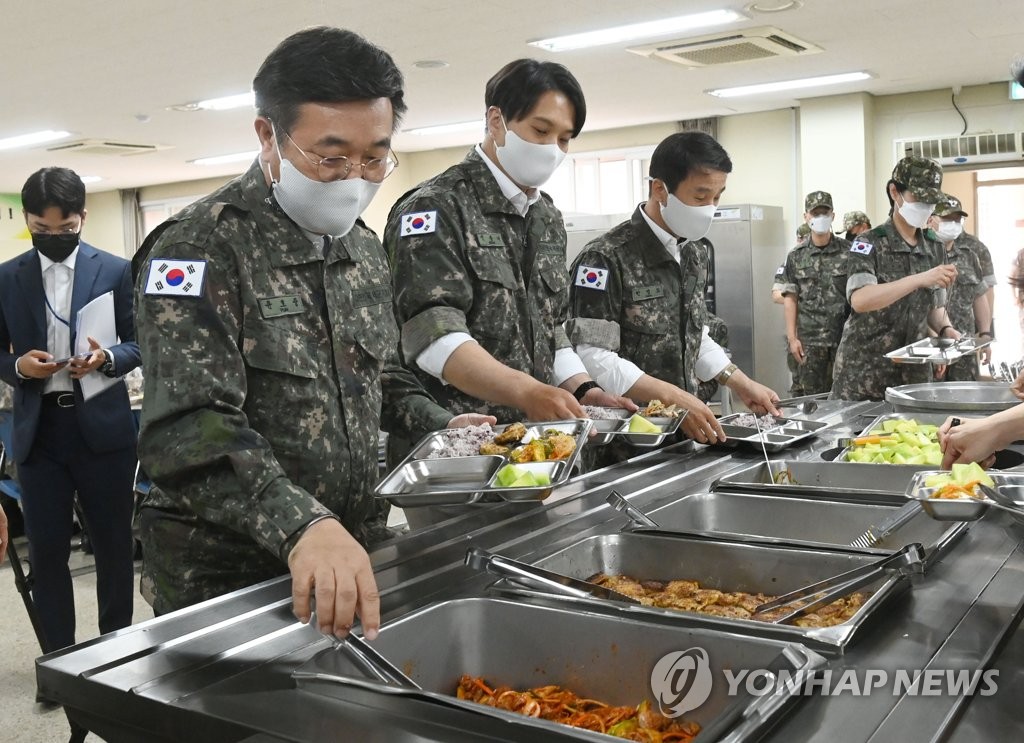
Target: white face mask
{"x": 527, "y": 163}
{"x": 821, "y": 224}
{"x": 321, "y": 208}
{"x": 691, "y": 222}
{"x": 916, "y": 213}
{"x": 948, "y": 231}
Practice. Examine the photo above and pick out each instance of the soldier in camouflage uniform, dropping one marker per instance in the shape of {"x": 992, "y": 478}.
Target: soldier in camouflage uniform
{"x": 478, "y": 257}
{"x": 855, "y": 223}
{"x": 896, "y": 286}
{"x": 271, "y": 349}
{"x": 638, "y": 317}
{"x": 967, "y": 303}
{"x": 813, "y": 286}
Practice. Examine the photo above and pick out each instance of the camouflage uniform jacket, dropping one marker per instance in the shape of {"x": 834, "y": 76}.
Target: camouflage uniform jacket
{"x": 483, "y": 270}
{"x": 976, "y": 246}
{"x": 652, "y": 310}
{"x": 880, "y": 256}
{"x": 265, "y": 394}
{"x": 969, "y": 285}
{"x": 817, "y": 278}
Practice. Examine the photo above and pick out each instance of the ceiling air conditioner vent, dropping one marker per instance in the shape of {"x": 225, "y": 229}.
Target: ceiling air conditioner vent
{"x": 103, "y": 147}
{"x": 968, "y": 149}
{"x": 745, "y": 45}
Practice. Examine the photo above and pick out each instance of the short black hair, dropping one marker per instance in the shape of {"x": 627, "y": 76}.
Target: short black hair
{"x": 59, "y": 187}
{"x": 900, "y": 188}
{"x": 679, "y": 154}
{"x": 517, "y": 87}
{"x": 324, "y": 65}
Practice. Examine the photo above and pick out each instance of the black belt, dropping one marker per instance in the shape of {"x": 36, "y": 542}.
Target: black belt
{"x": 59, "y": 399}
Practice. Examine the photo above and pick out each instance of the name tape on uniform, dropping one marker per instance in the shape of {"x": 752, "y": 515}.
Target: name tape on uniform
{"x": 169, "y": 278}
{"x": 419, "y": 223}
{"x": 862, "y": 248}
{"x": 592, "y": 278}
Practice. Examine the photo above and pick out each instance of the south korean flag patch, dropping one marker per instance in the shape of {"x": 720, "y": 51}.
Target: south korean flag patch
{"x": 173, "y": 278}
{"x": 419, "y": 223}
{"x": 861, "y": 247}
{"x": 591, "y": 278}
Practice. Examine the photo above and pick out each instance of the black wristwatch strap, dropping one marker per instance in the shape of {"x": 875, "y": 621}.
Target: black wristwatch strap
{"x": 585, "y": 388}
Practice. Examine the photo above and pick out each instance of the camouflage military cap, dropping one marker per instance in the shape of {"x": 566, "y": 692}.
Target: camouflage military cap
{"x": 852, "y": 219}
{"x": 803, "y": 231}
{"x": 948, "y": 205}
{"x": 921, "y": 176}
{"x": 817, "y": 198}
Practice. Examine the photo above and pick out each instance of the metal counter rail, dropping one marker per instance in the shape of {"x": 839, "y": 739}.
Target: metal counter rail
{"x": 220, "y": 671}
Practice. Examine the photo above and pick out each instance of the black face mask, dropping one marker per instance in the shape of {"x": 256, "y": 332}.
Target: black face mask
{"x": 56, "y": 247}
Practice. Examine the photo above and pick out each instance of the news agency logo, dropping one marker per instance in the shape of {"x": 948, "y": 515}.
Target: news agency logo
{"x": 681, "y": 681}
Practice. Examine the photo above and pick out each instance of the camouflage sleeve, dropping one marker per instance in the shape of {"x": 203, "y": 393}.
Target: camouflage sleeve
{"x": 407, "y": 407}
{"x": 432, "y": 284}
{"x": 594, "y": 301}
{"x": 988, "y": 269}
{"x": 860, "y": 263}
{"x": 196, "y": 443}
{"x": 788, "y": 278}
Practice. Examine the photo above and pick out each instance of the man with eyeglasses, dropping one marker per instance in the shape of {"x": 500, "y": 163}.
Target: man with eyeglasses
{"x": 272, "y": 351}
{"x": 63, "y": 443}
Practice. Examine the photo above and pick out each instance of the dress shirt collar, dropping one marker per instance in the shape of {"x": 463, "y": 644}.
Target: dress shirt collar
{"x": 45, "y": 262}
{"x": 666, "y": 238}
{"x": 522, "y": 201}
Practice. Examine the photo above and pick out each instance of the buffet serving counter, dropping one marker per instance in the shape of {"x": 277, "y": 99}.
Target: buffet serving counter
{"x": 222, "y": 670}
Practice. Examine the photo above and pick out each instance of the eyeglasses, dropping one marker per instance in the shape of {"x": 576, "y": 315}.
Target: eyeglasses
{"x": 338, "y": 168}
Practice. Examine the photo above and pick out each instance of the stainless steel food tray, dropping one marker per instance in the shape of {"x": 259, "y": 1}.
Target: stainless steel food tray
{"x": 952, "y": 397}
{"x": 786, "y": 432}
{"x": 420, "y": 481}
{"x": 969, "y": 509}
{"x": 935, "y": 419}
{"x": 608, "y": 429}
{"x": 927, "y": 351}
{"x": 525, "y": 645}
{"x": 835, "y": 480}
{"x": 791, "y": 519}
{"x": 730, "y": 566}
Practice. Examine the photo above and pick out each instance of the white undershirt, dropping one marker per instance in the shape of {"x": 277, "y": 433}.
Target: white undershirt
{"x": 58, "y": 280}
{"x": 617, "y": 375}
{"x": 433, "y": 358}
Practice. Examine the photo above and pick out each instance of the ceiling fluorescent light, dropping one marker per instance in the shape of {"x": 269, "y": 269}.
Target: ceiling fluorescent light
{"x": 26, "y": 140}
{"x": 807, "y": 82}
{"x": 235, "y": 157}
{"x": 633, "y": 31}
{"x": 460, "y": 126}
{"x": 90, "y": 179}
{"x": 228, "y": 102}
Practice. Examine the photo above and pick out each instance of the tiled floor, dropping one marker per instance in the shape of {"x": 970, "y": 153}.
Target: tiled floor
{"x": 22, "y": 720}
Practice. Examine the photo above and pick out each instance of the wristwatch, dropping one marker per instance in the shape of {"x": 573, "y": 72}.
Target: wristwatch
{"x": 584, "y": 389}
{"x": 107, "y": 367}
{"x": 723, "y": 376}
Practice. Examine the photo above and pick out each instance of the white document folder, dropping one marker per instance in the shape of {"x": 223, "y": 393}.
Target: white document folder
{"x": 96, "y": 320}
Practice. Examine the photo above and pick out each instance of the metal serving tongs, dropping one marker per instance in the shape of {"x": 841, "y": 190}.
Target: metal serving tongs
{"x": 804, "y": 403}
{"x": 826, "y": 591}
{"x": 372, "y": 662}
{"x": 504, "y": 567}
{"x": 1000, "y": 500}
{"x": 639, "y": 518}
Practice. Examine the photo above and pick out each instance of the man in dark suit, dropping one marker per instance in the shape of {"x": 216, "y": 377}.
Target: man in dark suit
{"x": 64, "y": 444}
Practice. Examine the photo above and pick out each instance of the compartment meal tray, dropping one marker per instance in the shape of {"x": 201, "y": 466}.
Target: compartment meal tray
{"x": 792, "y": 519}
{"x": 784, "y": 433}
{"x": 926, "y": 351}
{"x": 942, "y": 510}
{"x": 422, "y": 481}
{"x": 609, "y": 429}
{"x": 525, "y": 645}
{"x": 728, "y": 566}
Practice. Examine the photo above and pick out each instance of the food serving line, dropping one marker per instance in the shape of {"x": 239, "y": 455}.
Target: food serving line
{"x": 241, "y": 668}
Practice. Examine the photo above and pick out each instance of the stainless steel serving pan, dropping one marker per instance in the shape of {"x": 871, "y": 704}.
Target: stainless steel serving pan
{"x": 837, "y": 480}
{"x": 728, "y": 566}
{"x": 1010, "y": 485}
{"x": 598, "y": 655}
{"x": 952, "y": 397}
{"x": 793, "y": 520}
{"x": 422, "y": 481}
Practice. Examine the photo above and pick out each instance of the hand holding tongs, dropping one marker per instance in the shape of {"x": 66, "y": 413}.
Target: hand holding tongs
{"x": 480, "y": 559}
{"x": 826, "y": 591}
